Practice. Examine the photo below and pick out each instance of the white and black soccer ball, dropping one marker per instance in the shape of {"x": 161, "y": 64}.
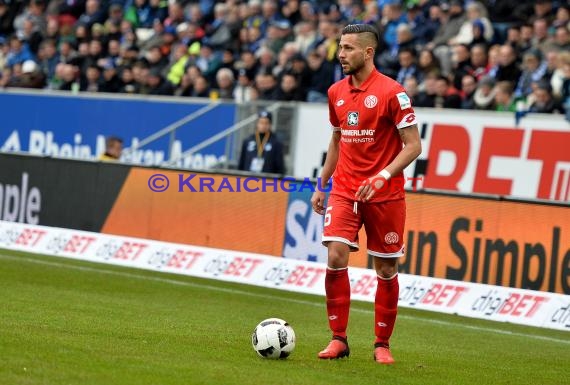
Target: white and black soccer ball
{"x": 273, "y": 338}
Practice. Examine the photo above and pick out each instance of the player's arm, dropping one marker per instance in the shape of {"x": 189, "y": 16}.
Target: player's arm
{"x": 318, "y": 199}
{"x": 412, "y": 149}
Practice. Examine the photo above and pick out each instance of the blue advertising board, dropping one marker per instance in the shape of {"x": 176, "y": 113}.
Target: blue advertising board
{"x": 75, "y": 126}
{"x": 303, "y": 229}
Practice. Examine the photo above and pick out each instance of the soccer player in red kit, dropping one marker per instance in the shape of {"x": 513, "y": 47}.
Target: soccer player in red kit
{"x": 375, "y": 136}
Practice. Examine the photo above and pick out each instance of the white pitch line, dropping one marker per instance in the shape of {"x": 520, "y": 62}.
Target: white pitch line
{"x": 269, "y": 296}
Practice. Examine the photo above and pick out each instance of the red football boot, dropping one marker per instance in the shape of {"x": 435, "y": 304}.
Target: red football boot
{"x": 337, "y": 348}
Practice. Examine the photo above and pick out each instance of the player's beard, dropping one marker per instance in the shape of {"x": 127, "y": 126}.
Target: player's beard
{"x": 354, "y": 68}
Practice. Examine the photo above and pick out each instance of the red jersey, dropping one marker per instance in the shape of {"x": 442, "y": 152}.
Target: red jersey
{"x": 368, "y": 118}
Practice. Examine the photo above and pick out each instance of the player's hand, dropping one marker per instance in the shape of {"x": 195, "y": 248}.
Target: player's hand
{"x": 318, "y": 202}
{"x": 368, "y": 188}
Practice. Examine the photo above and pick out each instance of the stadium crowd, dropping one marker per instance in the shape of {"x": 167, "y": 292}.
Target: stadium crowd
{"x": 486, "y": 55}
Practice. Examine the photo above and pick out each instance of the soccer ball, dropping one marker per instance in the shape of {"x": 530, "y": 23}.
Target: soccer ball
{"x": 273, "y": 338}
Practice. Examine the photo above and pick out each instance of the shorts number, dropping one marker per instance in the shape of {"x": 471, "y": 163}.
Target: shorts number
{"x": 328, "y": 216}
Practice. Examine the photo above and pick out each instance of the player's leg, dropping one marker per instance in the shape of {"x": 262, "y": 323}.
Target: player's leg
{"x": 385, "y": 307}
{"x": 340, "y": 236}
{"x": 384, "y": 224}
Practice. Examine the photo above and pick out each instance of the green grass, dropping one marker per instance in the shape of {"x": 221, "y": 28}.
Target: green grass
{"x": 71, "y": 322}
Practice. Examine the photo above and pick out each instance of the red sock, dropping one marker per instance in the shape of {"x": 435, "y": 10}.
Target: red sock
{"x": 337, "y": 288}
{"x": 385, "y": 309}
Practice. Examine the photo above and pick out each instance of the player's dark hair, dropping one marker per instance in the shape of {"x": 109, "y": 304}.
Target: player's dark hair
{"x": 362, "y": 28}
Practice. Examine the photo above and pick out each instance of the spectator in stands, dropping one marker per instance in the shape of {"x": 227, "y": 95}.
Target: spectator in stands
{"x": 279, "y": 33}
{"x": 326, "y": 41}
{"x": 201, "y": 87}
{"x": 423, "y": 29}
{"x": 305, "y": 36}
{"x": 289, "y": 89}
{"x": 411, "y": 86}
{"x": 8, "y": 13}
{"x": 468, "y": 88}
{"x": 392, "y": 17}
{"x": 561, "y": 38}
{"x": 534, "y": 70}
{"x": 291, "y": 12}
{"x": 269, "y": 14}
{"x": 446, "y": 96}
{"x": 110, "y": 79}
{"x": 244, "y": 89}
{"x": 299, "y": 68}
{"x": 47, "y": 58}
{"x": 565, "y": 87}
{"x": 560, "y": 74}
{"x": 29, "y": 76}
{"x": 527, "y": 33}
{"x": 128, "y": 83}
{"x": 322, "y": 75}
{"x": 562, "y": 17}
{"x": 388, "y": 59}
{"x": 504, "y": 99}
{"x": 34, "y": 13}
{"x": 476, "y": 16}
{"x": 94, "y": 13}
{"x": 266, "y": 85}
{"x": 92, "y": 81}
{"x": 513, "y": 38}
{"x": 508, "y": 68}
{"x": 18, "y": 52}
{"x": 479, "y": 61}
{"x": 157, "y": 83}
{"x": 542, "y": 100}
{"x": 451, "y": 19}
{"x": 184, "y": 88}
{"x": 142, "y": 13}
{"x": 461, "y": 64}
{"x": 225, "y": 82}
{"x": 541, "y": 38}
{"x": 407, "y": 62}
{"x": 209, "y": 62}
{"x": 484, "y": 97}
{"x": 427, "y": 63}
{"x": 262, "y": 151}
{"x": 219, "y": 31}
{"x": 113, "y": 149}
{"x": 426, "y": 96}
{"x": 543, "y": 9}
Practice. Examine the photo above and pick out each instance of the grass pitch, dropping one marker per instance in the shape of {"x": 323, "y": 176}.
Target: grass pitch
{"x": 70, "y": 322}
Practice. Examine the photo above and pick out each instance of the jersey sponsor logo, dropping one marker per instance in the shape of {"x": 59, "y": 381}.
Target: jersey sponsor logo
{"x": 352, "y": 118}
{"x": 391, "y": 238}
{"x": 370, "y": 101}
{"x": 357, "y": 132}
{"x": 404, "y": 100}
{"x": 339, "y": 103}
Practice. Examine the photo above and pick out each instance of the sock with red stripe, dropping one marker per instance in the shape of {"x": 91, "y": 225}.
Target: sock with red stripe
{"x": 337, "y": 288}
{"x": 385, "y": 309}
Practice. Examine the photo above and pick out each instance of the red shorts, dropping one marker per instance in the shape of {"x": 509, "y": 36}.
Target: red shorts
{"x": 383, "y": 221}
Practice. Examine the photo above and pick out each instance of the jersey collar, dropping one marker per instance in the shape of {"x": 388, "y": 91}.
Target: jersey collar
{"x": 364, "y": 86}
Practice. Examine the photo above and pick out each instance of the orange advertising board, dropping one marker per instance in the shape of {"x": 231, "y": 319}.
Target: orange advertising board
{"x": 516, "y": 244}
{"x": 251, "y": 221}
{"x": 488, "y": 241}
